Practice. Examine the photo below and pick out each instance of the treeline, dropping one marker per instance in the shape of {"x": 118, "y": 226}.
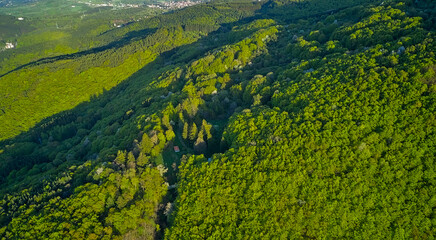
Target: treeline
{"x": 113, "y": 201}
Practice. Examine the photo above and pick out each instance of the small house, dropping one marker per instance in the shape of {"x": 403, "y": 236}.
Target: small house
{"x": 176, "y": 149}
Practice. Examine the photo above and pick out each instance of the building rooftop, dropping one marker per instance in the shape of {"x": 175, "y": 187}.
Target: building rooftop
{"x": 176, "y": 149}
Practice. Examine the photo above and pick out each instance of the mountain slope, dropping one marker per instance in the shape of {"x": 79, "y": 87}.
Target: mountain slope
{"x": 339, "y": 144}
{"x": 315, "y": 125}
{"x": 73, "y": 79}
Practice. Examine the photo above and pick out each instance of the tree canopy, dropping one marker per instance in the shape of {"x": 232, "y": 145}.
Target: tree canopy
{"x": 291, "y": 120}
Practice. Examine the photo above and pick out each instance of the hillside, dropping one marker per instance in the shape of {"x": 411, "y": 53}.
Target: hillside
{"x": 43, "y": 35}
{"x": 294, "y": 120}
{"x": 75, "y": 77}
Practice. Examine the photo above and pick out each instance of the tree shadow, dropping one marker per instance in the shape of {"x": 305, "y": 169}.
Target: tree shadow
{"x": 32, "y": 157}
{"x": 75, "y": 136}
{"x": 46, "y": 152}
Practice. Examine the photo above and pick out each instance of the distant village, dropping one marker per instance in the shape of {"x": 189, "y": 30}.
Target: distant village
{"x": 115, "y": 5}
{"x": 173, "y": 5}
{"x": 164, "y": 5}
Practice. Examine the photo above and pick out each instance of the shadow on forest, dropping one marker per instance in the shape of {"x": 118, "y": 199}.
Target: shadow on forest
{"x": 14, "y": 159}
{"x": 16, "y": 165}
{"x": 89, "y": 114}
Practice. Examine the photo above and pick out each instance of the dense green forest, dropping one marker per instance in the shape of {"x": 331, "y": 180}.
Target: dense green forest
{"x": 294, "y": 119}
{"x": 75, "y": 78}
